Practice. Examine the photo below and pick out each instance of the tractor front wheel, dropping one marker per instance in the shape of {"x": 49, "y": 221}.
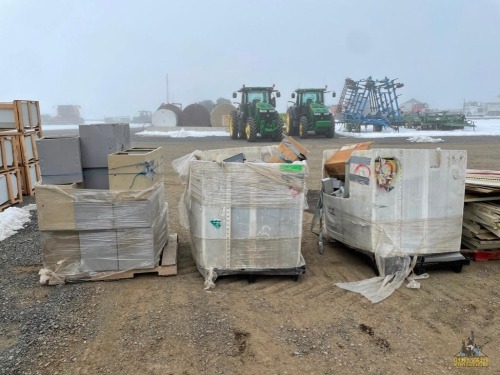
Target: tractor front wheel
{"x": 233, "y": 125}
{"x": 303, "y": 127}
{"x": 330, "y": 131}
{"x": 278, "y": 133}
{"x": 251, "y": 130}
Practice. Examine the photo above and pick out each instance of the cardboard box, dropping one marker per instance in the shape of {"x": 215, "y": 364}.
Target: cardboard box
{"x": 96, "y": 178}
{"x": 335, "y": 165}
{"x": 135, "y": 168}
{"x": 99, "y": 250}
{"x": 60, "y": 160}
{"x": 99, "y": 140}
{"x": 55, "y": 207}
{"x": 288, "y": 151}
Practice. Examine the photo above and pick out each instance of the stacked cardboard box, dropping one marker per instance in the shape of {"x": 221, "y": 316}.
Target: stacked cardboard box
{"x": 97, "y": 142}
{"x": 88, "y": 231}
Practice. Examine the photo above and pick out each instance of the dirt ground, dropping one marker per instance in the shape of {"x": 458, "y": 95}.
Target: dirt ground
{"x": 171, "y": 325}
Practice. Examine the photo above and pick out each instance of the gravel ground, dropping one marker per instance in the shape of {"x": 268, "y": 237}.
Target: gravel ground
{"x": 38, "y": 324}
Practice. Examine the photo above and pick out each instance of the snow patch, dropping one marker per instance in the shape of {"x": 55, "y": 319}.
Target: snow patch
{"x": 13, "y": 219}
{"x": 424, "y": 139}
{"x": 184, "y": 133}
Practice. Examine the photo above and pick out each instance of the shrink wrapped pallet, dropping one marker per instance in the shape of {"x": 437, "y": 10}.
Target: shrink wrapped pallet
{"x": 243, "y": 217}
{"x": 95, "y": 234}
{"x": 398, "y": 204}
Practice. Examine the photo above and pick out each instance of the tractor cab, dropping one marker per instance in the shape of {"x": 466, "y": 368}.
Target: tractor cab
{"x": 306, "y": 98}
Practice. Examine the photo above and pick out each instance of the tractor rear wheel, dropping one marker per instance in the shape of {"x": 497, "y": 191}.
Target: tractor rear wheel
{"x": 290, "y": 129}
{"x": 278, "y": 133}
{"x": 233, "y": 125}
{"x": 251, "y": 130}
{"x": 303, "y": 127}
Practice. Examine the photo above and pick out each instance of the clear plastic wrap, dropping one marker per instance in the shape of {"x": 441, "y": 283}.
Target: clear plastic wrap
{"x": 65, "y": 207}
{"x": 242, "y": 216}
{"x": 397, "y": 204}
{"x": 129, "y": 233}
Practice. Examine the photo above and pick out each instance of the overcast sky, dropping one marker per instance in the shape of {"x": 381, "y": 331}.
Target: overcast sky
{"x": 112, "y": 57}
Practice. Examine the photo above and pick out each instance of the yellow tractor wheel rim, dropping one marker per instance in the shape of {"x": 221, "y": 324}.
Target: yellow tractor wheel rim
{"x": 288, "y": 123}
{"x": 231, "y": 130}
{"x": 248, "y": 130}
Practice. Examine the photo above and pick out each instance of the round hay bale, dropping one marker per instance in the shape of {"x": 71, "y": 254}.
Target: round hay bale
{"x": 164, "y": 117}
{"x": 218, "y": 114}
{"x": 195, "y": 115}
{"x": 175, "y": 109}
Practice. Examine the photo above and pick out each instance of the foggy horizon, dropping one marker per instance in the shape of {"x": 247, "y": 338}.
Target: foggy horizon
{"x": 112, "y": 58}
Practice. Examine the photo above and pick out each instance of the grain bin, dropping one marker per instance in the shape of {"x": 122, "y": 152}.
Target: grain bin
{"x": 243, "y": 217}
{"x": 195, "y": 115}
{"x": 218, "y": 114}
{"x": 164, "y": 117}
{"x": 175, "y": 109}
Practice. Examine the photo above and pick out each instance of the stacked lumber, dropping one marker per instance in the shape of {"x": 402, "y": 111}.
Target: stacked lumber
{"x": 481, "y": 223}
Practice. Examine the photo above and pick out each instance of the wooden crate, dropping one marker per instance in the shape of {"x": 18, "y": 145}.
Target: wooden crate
{"x": 8, "y": 117}
{"x": 135, "y": 168}
{"x": 27, "y": 150}
{"x": 8, "y": 152}
{"x": 10, "y": 188}
{"x": 30, "y": 174}
{"x": 28, "y": 114}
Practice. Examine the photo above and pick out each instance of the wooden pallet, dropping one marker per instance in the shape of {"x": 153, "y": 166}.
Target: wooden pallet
{"x": 478, "y": 255}
{"x": 167, "y": 267}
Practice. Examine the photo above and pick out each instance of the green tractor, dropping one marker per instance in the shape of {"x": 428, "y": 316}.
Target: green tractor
{"x": 309, "y": 113}
{"x": 256, "y": 115}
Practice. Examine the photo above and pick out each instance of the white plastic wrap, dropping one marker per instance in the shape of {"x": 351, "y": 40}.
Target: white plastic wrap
{"x": 397, "y": 204}
{"x": 114, "y": 231}
{"x": 242, "y": 216}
